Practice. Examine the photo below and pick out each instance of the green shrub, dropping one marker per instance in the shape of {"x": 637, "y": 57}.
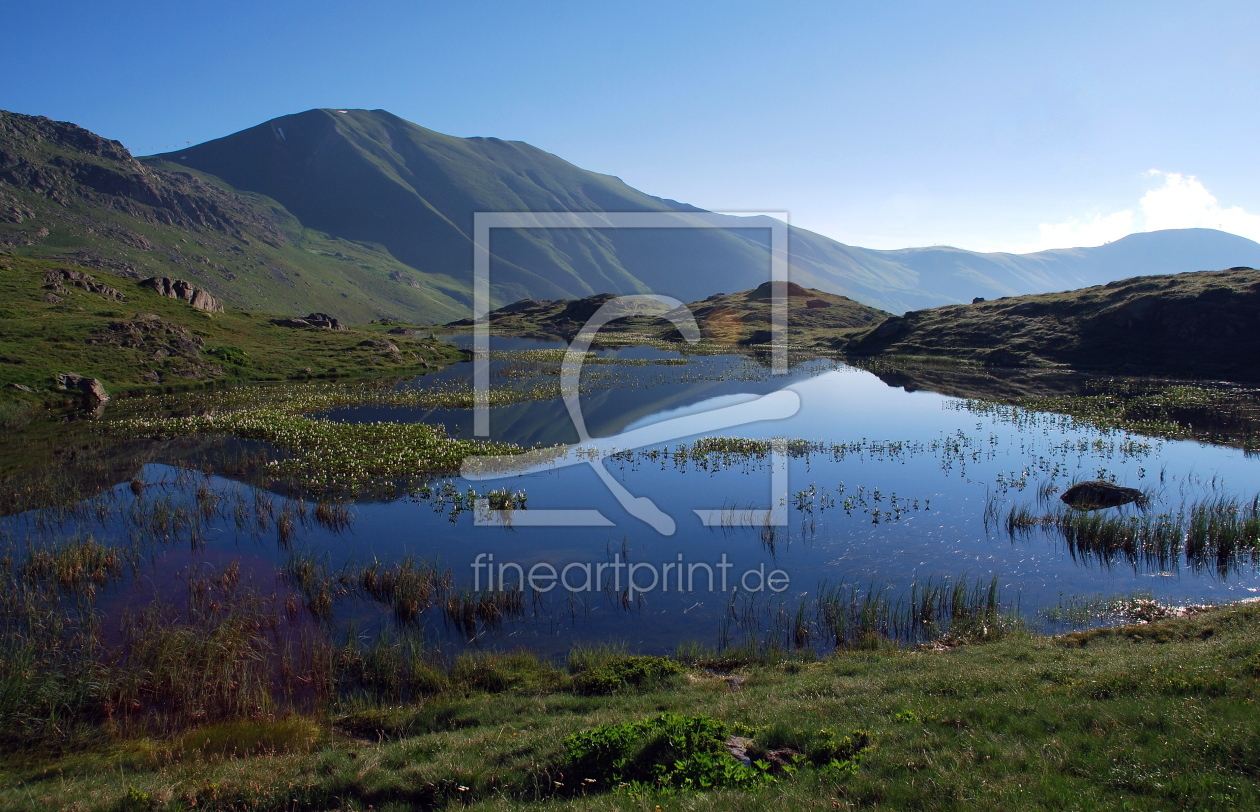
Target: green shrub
{"x": 230, "y": 355}
{"x": 673, "y": 751}
{"x": 622, "y": 672}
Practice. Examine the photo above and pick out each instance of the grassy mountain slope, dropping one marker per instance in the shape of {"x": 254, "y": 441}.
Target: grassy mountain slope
{"x": 373, "y": 177}
{"x": 1203, "y": 323}
{"x": 148, "y": 342}
{"x": 398, "y": 201}
{"x": 70, "y": 195}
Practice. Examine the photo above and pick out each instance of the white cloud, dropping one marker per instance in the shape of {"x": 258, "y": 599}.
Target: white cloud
{"x": 1181, "y": 202}
{"x": 1074, "y": 232}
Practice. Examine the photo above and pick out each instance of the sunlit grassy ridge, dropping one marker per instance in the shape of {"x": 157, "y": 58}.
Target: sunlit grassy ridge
{"x": 149, "y": 343}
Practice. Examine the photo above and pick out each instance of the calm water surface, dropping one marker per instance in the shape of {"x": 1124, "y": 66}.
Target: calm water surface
{"x": 917, "y": 471}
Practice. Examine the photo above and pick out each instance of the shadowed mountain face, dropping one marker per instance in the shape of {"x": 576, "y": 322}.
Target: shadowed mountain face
{"x": 370, "y": 176}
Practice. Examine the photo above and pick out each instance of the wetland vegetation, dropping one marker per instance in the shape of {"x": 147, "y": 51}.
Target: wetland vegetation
{"x": 194, "y": 614}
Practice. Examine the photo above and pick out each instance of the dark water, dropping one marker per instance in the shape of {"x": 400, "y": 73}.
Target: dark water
{"x": 917, "y": 469}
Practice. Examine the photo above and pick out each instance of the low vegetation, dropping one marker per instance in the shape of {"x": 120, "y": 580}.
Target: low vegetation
{"x": 148, "y": 343}
{"x": 1224, "y": 415}
{"x": 1211, "y": 532}
{"x": 726, "y": 320}
{"x": 1151, "y": 716}
{"x": 1200, "y": 324}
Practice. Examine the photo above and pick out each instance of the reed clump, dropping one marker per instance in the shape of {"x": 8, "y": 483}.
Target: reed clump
{"x": 465, "y": 609}
{"x": 1215, "y": 531}
{"x": 408, "y": 588}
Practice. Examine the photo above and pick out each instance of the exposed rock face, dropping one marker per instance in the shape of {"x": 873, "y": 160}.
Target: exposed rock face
{"x": 1097, "y": 494}
{"x": 151, "y": 334}
{"x": 320, "y": 321}
{"x": 53, "y": 281}
{"x": 91, "y": 387}
{"x": 180, "y": 289}
{"x": 581, "y": 310}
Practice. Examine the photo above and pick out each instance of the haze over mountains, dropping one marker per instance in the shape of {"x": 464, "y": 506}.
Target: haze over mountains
{"x": 363, "y": 214}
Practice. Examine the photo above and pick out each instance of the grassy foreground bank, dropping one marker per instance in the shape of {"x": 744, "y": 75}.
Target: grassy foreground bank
{"x": 1157, "y": 716}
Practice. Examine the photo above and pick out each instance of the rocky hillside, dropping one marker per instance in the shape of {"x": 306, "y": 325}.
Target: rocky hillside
{"x": 1196, "y": 324}
{"x": 70, "y": 195}
{"x": 726, "y": 318}
{"x": 68, "y": 333}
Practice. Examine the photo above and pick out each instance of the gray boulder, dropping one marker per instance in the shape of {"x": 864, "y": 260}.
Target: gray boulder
{"x": 180, "y": 289}
{"x": 92, "y": 388}
{"x": 319, "y": 321}
{"x": 1096, "y": 494}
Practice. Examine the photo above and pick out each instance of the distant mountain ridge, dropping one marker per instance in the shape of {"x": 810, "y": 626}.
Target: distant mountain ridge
{"x": 365, "y": 215}
{"x": 374, "y": 177}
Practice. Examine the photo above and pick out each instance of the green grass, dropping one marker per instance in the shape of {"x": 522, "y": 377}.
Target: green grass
{"x": 38, "y": 340}
{"x": 244, "y": 696}
{"x": 1156, "y": 716}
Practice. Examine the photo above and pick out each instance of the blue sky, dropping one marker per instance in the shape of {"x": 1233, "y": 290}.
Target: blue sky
{"x": 991, "y": 126}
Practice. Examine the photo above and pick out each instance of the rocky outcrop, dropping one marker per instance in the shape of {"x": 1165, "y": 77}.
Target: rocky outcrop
{"x": 92, "y": 388}
{"x": 1097, "y": 494}
{"x": 319, "y": 321}
{"x": 54, "y": 279}
{"x": 1201, "y": 324}
{"x": 166, "y": 349}
{"x": 180, "y": 289}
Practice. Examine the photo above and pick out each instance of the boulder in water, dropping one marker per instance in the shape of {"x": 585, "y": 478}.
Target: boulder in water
{"x": 1097, "y": 494}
